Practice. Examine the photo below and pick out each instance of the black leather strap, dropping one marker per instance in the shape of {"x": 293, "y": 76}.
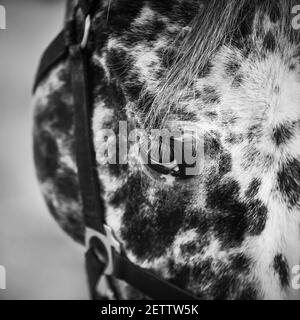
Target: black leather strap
{"x": 94, "y": 269}
{"x": 58, "y": 48}
{"x": 85, "y": 6}
{"x": 92, "y": 203}
{"x": 93, "y": 208}
{"x": 147, "y": 282}
{"x": 55, "y": 53}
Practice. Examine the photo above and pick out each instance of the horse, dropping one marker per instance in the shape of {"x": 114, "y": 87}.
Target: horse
{"x": 230, "y": 69}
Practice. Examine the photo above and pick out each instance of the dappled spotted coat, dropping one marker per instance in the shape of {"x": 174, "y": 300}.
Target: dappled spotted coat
{"x": 232, "y": 70}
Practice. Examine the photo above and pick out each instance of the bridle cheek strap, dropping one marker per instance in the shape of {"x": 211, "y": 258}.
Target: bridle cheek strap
{"x": 99, "y": 237}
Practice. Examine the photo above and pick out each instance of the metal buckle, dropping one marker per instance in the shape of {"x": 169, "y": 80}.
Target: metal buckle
{"x": 109, "y": 241}
{"x": 86, "y": 33}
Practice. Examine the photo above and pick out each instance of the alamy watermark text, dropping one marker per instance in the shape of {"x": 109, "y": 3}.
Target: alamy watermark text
{"x": 2, "y": 278}
{"x": 2, "y": 18}
{"x": 296, "y": 18}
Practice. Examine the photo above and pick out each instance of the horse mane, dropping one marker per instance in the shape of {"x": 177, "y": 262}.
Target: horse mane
{"x": 214, "y": 25}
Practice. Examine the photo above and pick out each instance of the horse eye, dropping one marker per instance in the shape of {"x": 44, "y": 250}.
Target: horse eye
{"x": 162, "y": 169}
{"x": 174, "y": 167}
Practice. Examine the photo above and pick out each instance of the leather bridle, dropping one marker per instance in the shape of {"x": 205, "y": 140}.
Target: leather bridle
{"x": 98, "y": 234}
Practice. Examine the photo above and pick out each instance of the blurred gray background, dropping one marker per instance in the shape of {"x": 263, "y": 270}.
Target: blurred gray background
{"x": 40, "y": 260}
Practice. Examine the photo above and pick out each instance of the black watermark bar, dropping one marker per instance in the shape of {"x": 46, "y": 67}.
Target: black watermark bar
{"x": 97, "y": 310}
